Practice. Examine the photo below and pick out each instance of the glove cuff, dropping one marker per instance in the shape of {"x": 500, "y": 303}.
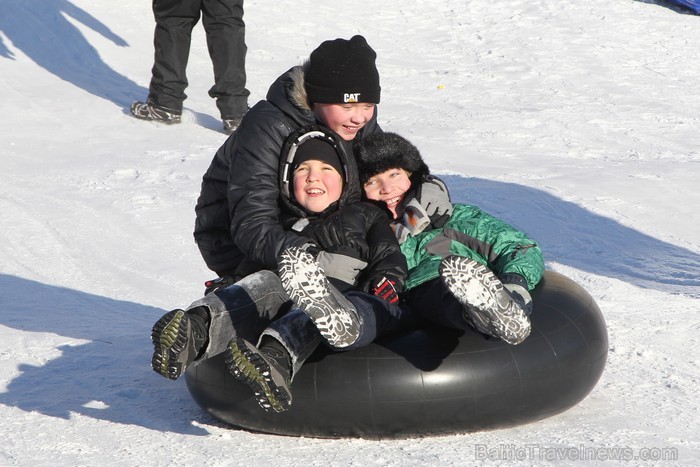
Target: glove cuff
{"x": 397, "y": 283}
{"x": 513, "y": 278}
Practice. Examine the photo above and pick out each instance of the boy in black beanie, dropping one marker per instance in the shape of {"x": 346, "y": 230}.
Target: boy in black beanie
{"x": 268, "y": 323}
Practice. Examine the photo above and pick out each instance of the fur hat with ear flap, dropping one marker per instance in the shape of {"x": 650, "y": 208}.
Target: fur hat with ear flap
{"x": 383, "y": 151}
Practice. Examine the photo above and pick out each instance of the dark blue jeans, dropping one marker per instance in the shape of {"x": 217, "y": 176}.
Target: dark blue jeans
{"x": 434, "y": 303}
{"x": 379, "y": 317}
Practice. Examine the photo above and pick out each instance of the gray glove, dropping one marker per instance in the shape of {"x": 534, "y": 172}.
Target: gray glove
{"x": 341, "y": 267}
{"x": 434, "y": 197}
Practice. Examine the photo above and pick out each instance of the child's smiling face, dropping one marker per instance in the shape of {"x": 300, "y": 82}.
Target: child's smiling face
{"x": 390, "y": 187}
{"x": 317, "y": 185}
{"x": 345, "y": 119}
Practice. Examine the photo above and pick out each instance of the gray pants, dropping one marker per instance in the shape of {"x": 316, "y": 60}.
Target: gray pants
{"x": 256, "y": 306}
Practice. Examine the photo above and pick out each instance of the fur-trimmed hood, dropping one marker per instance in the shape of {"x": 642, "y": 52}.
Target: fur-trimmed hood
{"x": 297, "y": 90}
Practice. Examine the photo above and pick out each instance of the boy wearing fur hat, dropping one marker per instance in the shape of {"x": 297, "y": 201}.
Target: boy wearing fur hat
{"x": 466, "y": 268}
{"x": 288, "y": 314}
{"x": 238, "y": 229}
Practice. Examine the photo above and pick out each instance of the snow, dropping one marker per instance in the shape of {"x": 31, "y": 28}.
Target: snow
{"x": 575, "y": 121}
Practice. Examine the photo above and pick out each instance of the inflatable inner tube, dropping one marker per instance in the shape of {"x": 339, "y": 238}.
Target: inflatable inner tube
{"x": 431, "y": 381}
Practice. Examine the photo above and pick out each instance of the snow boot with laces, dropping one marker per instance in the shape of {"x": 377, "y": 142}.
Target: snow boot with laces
{"x": 149, "y": 111}
{"x": 266, "y": 370}
{"x": 178, "y": 339}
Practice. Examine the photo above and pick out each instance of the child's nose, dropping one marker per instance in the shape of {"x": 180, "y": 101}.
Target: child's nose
{"x": 358, "y": 115}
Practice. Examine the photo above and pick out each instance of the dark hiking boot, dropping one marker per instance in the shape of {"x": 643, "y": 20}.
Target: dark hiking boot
{"x": 306, "y": 284}
{"x": 178, "y": 338}
{"x": 265, "y": 370}
{"x": 486, "y": 303}
{"x": 231, "y": 123}
{"x": 149, "y": 111}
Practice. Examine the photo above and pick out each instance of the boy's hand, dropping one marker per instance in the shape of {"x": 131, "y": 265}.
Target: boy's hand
{"x": 434, "y": 197}
{"x": 388, "y": 289}
{"x": 339, "y": 266}
{"x": 342, "y": 263}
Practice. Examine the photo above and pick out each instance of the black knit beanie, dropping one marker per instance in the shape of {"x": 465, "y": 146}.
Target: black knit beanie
{"x": 317, "y": 149}
{"x": 342, "y": 71}
{"x": 383, "y": 151}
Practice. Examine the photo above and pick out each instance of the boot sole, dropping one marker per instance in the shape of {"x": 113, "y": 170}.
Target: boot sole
{"x": 250, "y": 367}
{"x": 484, "y": 299}
{"x": 306, "y": 284}
{"x": 169, "y": 337}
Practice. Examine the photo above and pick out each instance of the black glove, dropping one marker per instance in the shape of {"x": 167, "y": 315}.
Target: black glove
{"x": 516, "y": 286}
{"x": 434, "y": 197}
{"x": 388, "y": 289}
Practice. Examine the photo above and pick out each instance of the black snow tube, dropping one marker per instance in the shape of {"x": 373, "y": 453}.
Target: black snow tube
{"x": 431, "y": 381}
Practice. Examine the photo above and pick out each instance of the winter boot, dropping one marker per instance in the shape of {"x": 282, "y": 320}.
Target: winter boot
{"x": 231, "y": 123}
{"x": 486, "y": 303}
{"x": 306, "y": 284}
{"x": 149, "y": 111}
{"x": 266, "y": 370}
{"x": 178, "y": 338}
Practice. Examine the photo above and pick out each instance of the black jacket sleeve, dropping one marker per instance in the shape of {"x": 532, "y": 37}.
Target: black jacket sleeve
{"x": 253, "y": 190}
{"x": 384, "y": 258}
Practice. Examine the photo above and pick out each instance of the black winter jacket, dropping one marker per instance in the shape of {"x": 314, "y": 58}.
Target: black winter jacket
{"x": 238, "y": 215}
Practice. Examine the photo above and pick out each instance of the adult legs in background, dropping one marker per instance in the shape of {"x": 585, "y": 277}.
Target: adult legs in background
{"x": 225, "y": 31}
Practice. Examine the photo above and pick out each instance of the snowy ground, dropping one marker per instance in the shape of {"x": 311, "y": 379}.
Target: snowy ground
{"x": 575, "y": 121}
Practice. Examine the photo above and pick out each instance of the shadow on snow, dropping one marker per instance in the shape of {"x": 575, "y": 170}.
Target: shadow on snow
{"x": 107, "y": 378}
{"x": 41, "y": 31}
{"x": 571, "y": 235}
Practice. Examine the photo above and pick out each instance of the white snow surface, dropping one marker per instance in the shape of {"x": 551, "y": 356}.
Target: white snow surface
{"x": 575, "y": 121}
